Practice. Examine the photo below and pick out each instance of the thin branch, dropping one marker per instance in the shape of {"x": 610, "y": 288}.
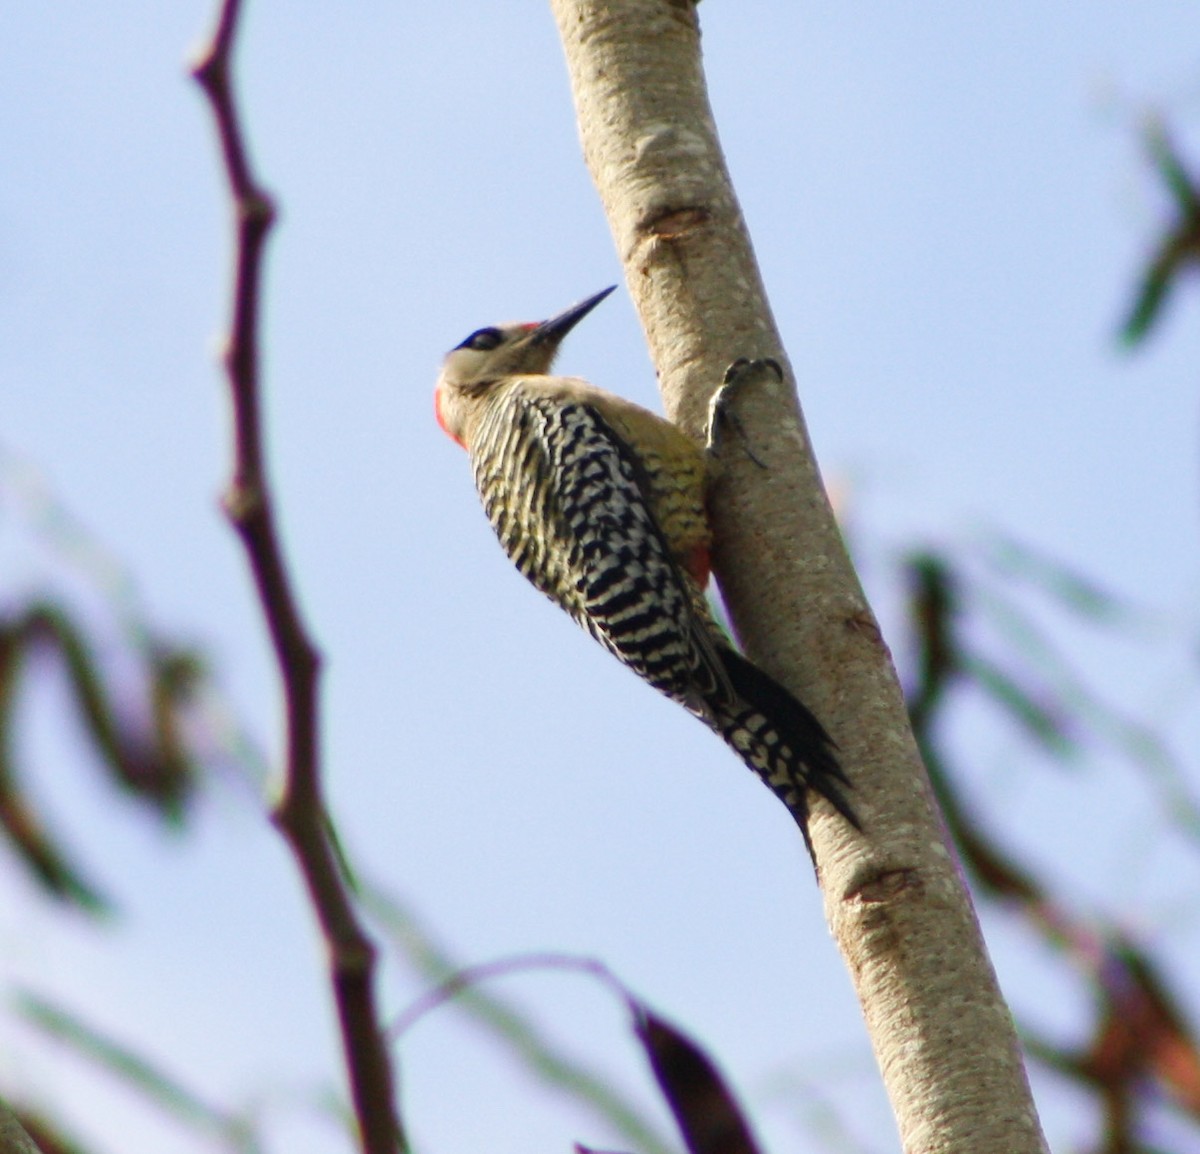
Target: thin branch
{"x": 300, "y": 813}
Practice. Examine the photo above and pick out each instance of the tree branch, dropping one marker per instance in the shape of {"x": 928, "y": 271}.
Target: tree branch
{"x": 300, "y": 812}
{"x": 894, "y": 899}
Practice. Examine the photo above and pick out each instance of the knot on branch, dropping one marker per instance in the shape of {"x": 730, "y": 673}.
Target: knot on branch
{"x": 242, "y": 502}
{"x": 884, "y": 886}
{"x": 256, "y": 210}
{"x": 352, "y": 956}
{"x": 674, "y": 223}
{"x": 209, "y": 70}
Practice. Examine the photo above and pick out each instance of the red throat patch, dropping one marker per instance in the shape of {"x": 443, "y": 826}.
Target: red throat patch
{"x": 437, "y": 412}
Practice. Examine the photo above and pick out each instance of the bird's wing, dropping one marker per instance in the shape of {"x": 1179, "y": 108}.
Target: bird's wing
{"x": 571, "y": 509}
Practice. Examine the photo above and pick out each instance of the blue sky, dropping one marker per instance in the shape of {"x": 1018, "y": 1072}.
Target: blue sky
{"x": 949, "y": 204}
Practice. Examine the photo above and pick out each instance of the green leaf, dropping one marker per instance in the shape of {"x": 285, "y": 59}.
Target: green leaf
{"x": 136, "y": 1071}
{"x": 1046, "y": 724}
{"x": 1056, "y": 579}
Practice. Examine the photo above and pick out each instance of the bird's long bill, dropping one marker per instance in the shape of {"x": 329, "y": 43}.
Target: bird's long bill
{"x": 552, "y": 331}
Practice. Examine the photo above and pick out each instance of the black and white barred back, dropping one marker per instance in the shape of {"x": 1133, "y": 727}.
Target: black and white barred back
{"x": 568, "y": 500}
{"x": 563, "y": 494}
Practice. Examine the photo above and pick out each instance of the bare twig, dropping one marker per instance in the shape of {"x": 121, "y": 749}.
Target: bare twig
{"x": 300, "y": 813}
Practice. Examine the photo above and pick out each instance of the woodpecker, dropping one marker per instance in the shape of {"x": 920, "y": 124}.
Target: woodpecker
{"x": 601, "y": 504}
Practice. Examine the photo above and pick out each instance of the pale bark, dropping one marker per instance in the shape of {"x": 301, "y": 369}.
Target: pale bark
{"x": 894, "y": 898}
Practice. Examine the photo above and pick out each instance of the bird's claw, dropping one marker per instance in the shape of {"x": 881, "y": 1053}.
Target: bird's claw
{"x": 736, "y": 368}
{"x": 744, "y": 367}
{"x": 720, "y": 412}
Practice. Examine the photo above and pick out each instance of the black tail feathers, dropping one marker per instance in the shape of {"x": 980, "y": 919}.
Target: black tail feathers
{"x": 778, "y": 738}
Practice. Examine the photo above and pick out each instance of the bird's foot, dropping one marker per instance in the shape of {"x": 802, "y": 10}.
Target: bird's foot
{"x": 721, "y": 415}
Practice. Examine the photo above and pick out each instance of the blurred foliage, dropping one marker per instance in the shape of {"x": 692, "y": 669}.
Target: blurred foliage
{"x": 1178, "y": 248}
{"x": 232, "y": 1132}
{"x": 708, "y": 1115}
{"x": 507, "y": 1023}
{"x": 707, "y": 1112}
{"x": 1140, "y": 1047}
{"x": 46, "y": 1135}
{"x": 141, "y": 749}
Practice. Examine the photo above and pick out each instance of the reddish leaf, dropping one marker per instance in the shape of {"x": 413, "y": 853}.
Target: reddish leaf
{"x": 704, "y": 1107}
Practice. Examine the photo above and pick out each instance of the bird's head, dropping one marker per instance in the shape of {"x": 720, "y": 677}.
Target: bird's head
{"x": 490, "y": 354}
{"x": 514, "y": 350}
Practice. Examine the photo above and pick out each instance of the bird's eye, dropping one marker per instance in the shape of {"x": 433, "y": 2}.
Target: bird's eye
{"x": 483, "y": 340}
